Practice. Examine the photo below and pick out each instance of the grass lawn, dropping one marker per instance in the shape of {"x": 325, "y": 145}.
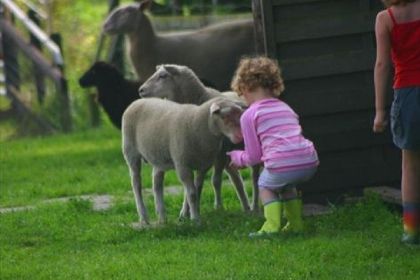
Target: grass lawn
{"x": 71, "y": 241}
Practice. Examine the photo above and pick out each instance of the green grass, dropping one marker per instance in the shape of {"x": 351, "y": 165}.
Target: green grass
{"x": 71, "y": 241}
{"x": 33, "y": 169}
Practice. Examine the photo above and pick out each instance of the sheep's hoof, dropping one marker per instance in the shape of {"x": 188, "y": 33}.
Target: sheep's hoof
{"x": 140, "y": 225}
{"x": 184, "y": 214}
{"x": 218, "y": 207}
{"x": 196, "y": 222}
{"x": 255, "y": 209}
{"x": 183, "y": 219}
{"x": 162, "y": 222}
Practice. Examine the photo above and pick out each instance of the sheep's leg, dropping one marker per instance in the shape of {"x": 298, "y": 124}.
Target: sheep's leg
{"x": 199, "y": 181}
{"x": 186, "y": 176}
{"x": 236, "y": 179}
{"x": 134, "y": 165}
{"x": 219, "y": 165}
{"x": 158, "y": 176}
{"x": 185, "y": 211}
{"x": 255, "y": 191}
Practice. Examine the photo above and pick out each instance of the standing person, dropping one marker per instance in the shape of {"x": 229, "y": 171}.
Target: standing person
{"x": 398, "y": 41}
{"x": 273, "y": 136}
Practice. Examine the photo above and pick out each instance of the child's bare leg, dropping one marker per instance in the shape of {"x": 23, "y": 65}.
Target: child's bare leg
{"x": 410, "y": 187}
{"x": 288, "y": 193}
{"x": 268, "y": 195}
{"x": 410, "y": 176}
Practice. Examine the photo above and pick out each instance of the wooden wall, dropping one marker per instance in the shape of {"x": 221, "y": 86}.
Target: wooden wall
{"x": 326, "y": 49}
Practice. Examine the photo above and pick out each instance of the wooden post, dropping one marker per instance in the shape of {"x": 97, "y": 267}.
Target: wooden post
{"x": 95, "y": 119}
{"x": 62, "y": 88}
{"x": 39, "y": 78}
{"x": 258, "y": 27}
{"x": 116, "y": 53}
{"x": 10, "y": 53}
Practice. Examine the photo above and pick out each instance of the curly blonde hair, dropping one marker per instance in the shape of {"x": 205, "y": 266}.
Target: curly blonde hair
{"x": 389, "y": 3}
{"x": 258, "y": 72}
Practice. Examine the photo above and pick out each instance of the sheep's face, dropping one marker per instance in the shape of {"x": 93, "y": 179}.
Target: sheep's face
{"x": 225, "y": 118}
{"x": 124, "y": 20}
{"x": 88, "y": 79}
{"x": 161, "y": 84}
{"x": 99, "y": 72}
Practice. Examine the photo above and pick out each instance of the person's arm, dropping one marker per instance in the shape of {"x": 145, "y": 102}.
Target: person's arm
{"x": 382, "y": 69}
{"x": 252, "y": 153}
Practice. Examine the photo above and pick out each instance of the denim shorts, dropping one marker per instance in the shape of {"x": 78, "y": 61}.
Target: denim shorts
{"x": 281, "y": 180}
{"x": 405, "y": 118}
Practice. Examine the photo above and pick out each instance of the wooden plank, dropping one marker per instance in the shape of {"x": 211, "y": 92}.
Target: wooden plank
{"x": 336, "y": 82}
{"x": 314, "y": 9}
{"x": 388, "y": 194}
{"x": 258, "y": 27}
{"x": 338, "y": 123}
{"x": 323, "y": 27}
{"x": 293, "y": 2}
{"x": 320, "y": 46}
{"x": 325, "y": 65}
{"x": 348, "y": 140}
{"x": 356, "y": 168}
{"x": 312, "y": 209}
{"x": 317, "y": 102}
{"x": 30, "y": 51}
{"x": 268, "y": 27}
{"x": 298, "y": 91}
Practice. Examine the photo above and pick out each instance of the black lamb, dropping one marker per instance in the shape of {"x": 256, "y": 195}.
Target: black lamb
{"x": 115, "y": 92}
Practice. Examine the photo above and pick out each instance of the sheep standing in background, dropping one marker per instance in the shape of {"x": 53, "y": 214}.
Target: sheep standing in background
{"x": 212, "y": 52}
{"x": 176, "y": 136}
{"x": 115, "y": 92}
{"x": 180, "y": 84}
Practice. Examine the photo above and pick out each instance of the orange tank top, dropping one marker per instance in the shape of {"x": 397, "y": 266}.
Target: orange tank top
{"x": 405, "y": 52}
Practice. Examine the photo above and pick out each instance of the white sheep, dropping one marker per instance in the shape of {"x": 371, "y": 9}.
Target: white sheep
{"x": 176, "y": 136}
{"x": 180, "y": 84}
{"x": 212, "y": 52}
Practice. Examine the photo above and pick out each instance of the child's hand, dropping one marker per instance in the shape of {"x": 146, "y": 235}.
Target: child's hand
{"x": 380, "y": 123}
{"x": 234, "y": 166}
{"x": 232, "y": 155}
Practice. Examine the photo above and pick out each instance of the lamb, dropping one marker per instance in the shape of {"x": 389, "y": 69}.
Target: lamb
{"x": 187, "y": 139}
{"x": 180, "y": 84}
{"x": 115, "y": 93}
{"x": 212, "y": 52}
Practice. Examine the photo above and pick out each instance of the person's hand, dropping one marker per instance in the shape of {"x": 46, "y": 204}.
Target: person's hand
{"x": 380, "y": 123}
{"x": 233, "y": 165}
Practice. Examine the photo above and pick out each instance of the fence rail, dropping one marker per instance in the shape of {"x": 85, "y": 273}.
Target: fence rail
{"x": 15, "y": 43}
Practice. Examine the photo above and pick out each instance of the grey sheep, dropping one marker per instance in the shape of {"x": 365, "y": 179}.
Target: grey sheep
{"x": 180, "y": 84}
{"x": 221, "y": 45}
{"x": 176, "y": 136}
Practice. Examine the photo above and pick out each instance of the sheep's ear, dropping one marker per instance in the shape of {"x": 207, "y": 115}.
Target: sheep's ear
{"x": 241, "y": 105}
{"x": 144, "y": 5}
{"x": 158, "y": 67}
{"x": 214, "y": 108}
{"x": 173, "y": 70}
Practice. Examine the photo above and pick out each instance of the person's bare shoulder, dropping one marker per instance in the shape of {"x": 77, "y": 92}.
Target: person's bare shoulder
{"x": 383, "y": 20}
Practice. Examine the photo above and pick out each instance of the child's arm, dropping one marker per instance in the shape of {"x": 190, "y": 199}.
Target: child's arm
{"x": 382, "y": 68}
{"x": 252, "y": 153}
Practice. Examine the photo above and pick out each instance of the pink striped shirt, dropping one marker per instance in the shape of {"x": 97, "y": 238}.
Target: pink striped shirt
{"x": 272, "y": 135}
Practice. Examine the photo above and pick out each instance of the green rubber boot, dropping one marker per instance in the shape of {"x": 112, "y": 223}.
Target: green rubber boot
{"x": 293, "y": 214}
{"x": 272, "y": 214}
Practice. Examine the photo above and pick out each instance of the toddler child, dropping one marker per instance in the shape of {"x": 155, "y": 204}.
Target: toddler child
{"x": 272, "y": 136}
